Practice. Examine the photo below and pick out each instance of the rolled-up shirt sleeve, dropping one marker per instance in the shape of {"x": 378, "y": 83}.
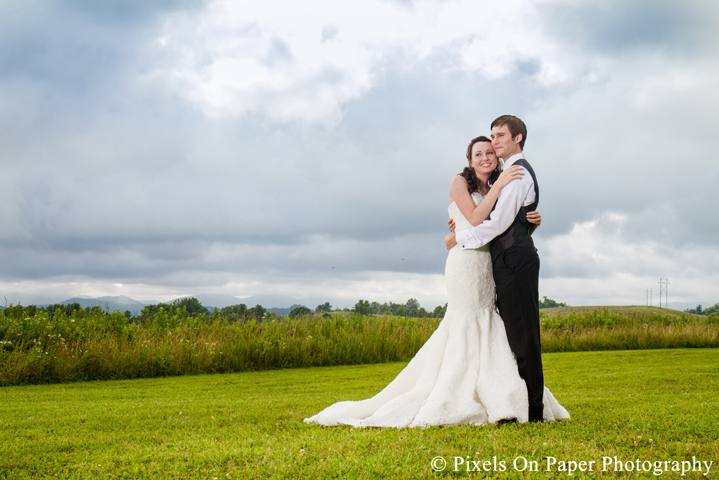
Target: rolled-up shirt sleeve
{"x": 511, "y": 199}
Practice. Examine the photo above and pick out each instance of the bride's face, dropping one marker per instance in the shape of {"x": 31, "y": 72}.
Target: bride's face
{"x": 483, "y": 159}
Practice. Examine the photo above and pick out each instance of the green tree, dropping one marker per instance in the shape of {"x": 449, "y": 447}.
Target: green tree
{"x": 67, "y": 309}
{"x": 439, "y": 311}
{"x": 240, "y": 310}
{"x": 398, "y": 309}
{"x": 707, "y": 311}
{"x": 257, "y": 312}
{"x": 192, "y": 306}
{"x": 714, "y": 309}
{"x": 549, "y": 303}
{"x": 299, "y": 311}
{"x": 324, "y": 308}
{"x": 382, "y": 309}
{"x": 271, "y": 316}
{"x": 363, "y": 307}
{"x": 233, "y": 313}
{"x": 412, "y": 307}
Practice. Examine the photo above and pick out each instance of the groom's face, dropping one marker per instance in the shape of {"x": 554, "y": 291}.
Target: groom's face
{"x": 504, "y": 145}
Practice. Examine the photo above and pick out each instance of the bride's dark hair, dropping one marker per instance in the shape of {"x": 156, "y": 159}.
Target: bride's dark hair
{"x": 468, "y": 172}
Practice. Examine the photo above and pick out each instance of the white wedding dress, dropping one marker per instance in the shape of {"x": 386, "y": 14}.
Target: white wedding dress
{"x": 464, "y": 374}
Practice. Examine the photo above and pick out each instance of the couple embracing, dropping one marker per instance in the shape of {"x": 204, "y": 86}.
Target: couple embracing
{"x": 479, "y": 366}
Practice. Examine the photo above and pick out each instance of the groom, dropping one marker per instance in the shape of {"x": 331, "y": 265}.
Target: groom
{"x": 515, "y": 262}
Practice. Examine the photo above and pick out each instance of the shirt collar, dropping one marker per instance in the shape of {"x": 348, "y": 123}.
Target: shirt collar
{"x": 512, "y": 159}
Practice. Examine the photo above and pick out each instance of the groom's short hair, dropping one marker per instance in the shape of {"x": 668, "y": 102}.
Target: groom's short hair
{"x": 515, "y": 126}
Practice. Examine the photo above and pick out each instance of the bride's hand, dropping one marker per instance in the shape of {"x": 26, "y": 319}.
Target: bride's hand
{"x": 512, "y": 173}
{"x": 535, "y": 218}
{"x": 450, "y": 241}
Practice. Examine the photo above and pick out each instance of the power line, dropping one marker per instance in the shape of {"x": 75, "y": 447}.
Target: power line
{"x": 663, "y": 288}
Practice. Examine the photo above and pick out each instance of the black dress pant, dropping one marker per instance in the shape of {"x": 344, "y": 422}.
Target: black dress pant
{"x": 516, "y": 274}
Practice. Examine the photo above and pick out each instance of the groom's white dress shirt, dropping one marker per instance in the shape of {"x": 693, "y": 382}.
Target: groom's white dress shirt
{"x": 514, "y": 196}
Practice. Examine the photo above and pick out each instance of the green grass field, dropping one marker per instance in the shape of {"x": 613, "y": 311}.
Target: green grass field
{"x": 651, "y": 406}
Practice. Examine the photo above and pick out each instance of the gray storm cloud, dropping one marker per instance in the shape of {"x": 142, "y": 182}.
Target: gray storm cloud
{"x": 159, "y": 147}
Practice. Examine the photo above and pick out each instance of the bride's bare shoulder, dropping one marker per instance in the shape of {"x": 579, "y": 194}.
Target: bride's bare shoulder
{"x": 458, "y": 189}
{"x": 458, "y": 181}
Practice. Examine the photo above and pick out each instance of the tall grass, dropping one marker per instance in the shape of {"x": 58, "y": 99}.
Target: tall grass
{"x": 85, "y": 345}
{"x": 50, "y": 347}
{"x": 605, "y": 330}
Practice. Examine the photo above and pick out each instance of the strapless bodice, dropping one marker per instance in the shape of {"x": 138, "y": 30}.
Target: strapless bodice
{"x": 455, "y": 214}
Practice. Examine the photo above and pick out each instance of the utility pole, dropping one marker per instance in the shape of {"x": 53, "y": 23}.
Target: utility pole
{"x": 663, "y": 288}
{"x": 649, "y": 297}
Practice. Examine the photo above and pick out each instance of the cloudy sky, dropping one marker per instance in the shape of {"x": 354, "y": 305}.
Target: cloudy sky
{"x": 156, "y": 149}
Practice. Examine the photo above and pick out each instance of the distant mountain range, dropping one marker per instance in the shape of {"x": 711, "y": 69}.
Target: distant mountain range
{"x": 120, "y": 303}
{"x": 281, "y": 305}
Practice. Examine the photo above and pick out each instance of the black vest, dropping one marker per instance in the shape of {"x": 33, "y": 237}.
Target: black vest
{"x": 518, "y": 234}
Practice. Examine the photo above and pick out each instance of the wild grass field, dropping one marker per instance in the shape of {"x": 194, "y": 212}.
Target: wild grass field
{"x": 576, "y": 329}
{"x": 623, "y": 310}
{"x": 655, "y": 407}
{"x": 66, "y": 346}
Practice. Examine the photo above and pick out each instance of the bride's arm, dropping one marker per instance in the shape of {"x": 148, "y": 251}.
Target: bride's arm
{"x": 459, "y": 192}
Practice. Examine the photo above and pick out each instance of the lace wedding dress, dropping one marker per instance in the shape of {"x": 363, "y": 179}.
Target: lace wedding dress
{"x": 464, "y": 374}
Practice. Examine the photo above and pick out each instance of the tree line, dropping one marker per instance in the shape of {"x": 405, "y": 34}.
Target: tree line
{"x": 411, "y": 308}
{"x": 192, "y": 307}
{"x": 713, "y": 310}
{"x": 239, "y": 312}
{"x": 549, "y": 303}
{"x": 188, "y": 307}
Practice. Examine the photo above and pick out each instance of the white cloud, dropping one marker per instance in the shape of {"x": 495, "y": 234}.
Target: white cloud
{"x": 597, "y": 263}
{"x": 269, "y": 58}
{"x": 276, "y": 59}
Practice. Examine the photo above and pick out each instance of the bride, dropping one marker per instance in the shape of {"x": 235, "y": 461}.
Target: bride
{"x": 465, "y": 373}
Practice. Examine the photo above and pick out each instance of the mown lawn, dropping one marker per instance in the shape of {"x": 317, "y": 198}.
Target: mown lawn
{"x": 651, "y": 406}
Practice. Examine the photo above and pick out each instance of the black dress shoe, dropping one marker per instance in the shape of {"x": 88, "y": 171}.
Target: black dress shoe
{"x": 505, "y": 421}
{"x": 536, "y": 414}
